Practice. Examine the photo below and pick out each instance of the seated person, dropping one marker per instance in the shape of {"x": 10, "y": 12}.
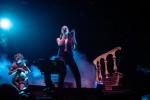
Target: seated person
{"x": 19, "y": 68}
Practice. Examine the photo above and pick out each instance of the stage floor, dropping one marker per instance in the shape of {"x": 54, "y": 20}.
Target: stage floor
{"x": 85, "y": 93}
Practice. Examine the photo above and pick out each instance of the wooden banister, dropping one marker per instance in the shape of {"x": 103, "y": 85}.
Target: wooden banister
{"x": 97, "y": 64}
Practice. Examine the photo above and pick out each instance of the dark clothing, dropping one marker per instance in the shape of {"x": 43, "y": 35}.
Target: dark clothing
{"x": 67, "y": 57}
{"x": 71, "y": 41}
{"x": 69, "y": 60}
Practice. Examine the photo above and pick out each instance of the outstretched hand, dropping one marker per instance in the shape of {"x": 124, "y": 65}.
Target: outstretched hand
{"x": 73, "y": 30}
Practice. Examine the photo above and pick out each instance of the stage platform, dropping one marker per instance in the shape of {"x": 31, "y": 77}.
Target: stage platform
{"x": 37, "y": 93}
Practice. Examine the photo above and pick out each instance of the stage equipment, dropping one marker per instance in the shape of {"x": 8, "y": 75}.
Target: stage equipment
{"x": 48, "y": 67}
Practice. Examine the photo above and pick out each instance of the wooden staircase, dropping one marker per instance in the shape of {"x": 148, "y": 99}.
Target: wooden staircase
{"x": 111, "y": 79}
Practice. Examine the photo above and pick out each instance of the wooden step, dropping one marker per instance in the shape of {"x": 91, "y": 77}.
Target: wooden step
{"x": 108, "y": 87}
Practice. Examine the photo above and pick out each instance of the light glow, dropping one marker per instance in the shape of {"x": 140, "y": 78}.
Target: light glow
{"x": 5, "y": 23}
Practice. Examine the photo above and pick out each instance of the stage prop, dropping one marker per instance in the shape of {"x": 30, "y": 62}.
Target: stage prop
{"x": 108, "y": 80}
{"x": 47, "y": 67}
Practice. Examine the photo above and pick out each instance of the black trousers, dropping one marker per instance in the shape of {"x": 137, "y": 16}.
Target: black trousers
{"x": 69, "y": 60}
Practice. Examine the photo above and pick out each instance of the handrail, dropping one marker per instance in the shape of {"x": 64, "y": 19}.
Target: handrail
{"x": 97, "y": 64}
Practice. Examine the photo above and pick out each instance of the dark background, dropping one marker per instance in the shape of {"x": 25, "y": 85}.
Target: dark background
{"x": 100, "y": 26}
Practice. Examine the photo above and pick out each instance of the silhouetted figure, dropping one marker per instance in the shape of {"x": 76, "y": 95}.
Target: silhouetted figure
{"x": 8, "y": 92}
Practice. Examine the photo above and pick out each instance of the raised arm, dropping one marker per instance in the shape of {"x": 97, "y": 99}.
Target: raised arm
{"x": 74, "y": 42}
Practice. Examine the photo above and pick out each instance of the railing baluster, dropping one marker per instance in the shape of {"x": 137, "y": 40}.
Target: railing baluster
{"x": 98, "y": 66}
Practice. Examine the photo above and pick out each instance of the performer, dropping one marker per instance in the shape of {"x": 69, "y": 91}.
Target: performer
{"x": 66, "y": 44}
{"x": 20, "y": 71}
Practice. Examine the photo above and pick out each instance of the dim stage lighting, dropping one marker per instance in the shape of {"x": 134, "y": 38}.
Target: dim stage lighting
{"x": 5, "y": 23}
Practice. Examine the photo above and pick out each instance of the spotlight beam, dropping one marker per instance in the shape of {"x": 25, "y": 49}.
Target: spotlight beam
{"x": 5, "y": 23}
